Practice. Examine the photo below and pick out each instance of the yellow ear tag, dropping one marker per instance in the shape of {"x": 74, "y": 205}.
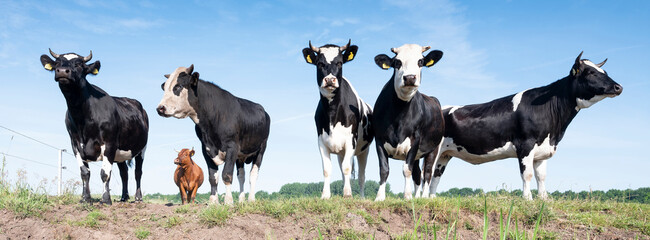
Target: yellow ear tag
{"x": 192, "y": 154}
{"x": 430, "y": 63}
{"x": 48, "y": 67}
{"x": 351, "y": 56}
{"x": 95, "y": 71}
{"x": 385, "y": 66}
{"x": 309, "y": 59}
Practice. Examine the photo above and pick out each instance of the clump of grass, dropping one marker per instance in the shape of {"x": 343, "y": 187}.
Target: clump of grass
{"x": 92, "y": 220}
{"x": 142, "y": 233}
{"x": 173, "y": 221}
{"x": 215, "y": 215}
{"x": 352, "y": 234}
{"x": 182, "y": 209}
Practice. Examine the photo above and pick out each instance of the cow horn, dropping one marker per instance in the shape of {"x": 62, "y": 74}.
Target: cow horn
{"x": 315, "y": 49}
{"x": 602, "y": 63}
{"x": 53, "y": 54}
{"x": 394, "y": 50}
{"x": 190, "y": 69}
{"x": 425, "y": 48}
{"x": 346, "y": 46}
{"x": 177, "y": 151}
{"x": 578, "y": 58}
{"x": 87, "y": 58}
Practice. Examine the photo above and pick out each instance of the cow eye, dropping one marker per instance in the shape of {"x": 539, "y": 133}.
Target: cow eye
{"x": 177, "y": 88}
{"x": 420, "y": 62}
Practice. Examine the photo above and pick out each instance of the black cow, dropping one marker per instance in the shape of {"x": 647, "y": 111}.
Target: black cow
{"x": 232, "y": 130}
{"x": 408, "y": 124}
{"x": 101, "y": 127}
{"x": 342, "y": 118}
{"x": 527, "y": 125}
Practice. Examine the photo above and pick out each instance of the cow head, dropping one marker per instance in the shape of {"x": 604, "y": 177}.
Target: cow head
{"x": 69, "y": 68}
{"x": 591, "y": 83}
{"x": 179, "y": 97}
{"x": 184, "y": 157}
{"x": 407, "y": 65}
{"x": 329, "y": 60}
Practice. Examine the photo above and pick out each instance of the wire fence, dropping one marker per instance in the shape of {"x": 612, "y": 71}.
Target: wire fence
{"x": 41, "y": 142}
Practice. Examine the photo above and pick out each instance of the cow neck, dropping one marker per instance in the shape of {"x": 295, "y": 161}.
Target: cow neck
{"x": 333, "y": 106}
{"x": 75, "y": 97}
{"x": 560, "y": 103}
{"x": 396, "y": 101}
{"x": 208, "y": 102}
{"x": 188, "y": 167}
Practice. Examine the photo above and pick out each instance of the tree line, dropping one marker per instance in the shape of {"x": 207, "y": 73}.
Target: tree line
{"x": 296, "y": 190}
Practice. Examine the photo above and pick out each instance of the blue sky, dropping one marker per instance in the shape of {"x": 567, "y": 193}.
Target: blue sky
{"x": 253, "y": 49}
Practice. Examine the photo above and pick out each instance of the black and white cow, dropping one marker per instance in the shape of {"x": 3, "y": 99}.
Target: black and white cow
{"x": 527, "y": 125}
{"x": 342, "y": 119}
{"x": 232, "y": 130}
{"x": 408, "y": 124}
{"x": 101, "y": 127}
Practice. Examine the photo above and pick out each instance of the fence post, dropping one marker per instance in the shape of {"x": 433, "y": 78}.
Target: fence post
{"x": 60, "y": 171}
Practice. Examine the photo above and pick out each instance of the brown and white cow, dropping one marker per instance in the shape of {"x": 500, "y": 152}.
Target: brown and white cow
{"x": 188, "y": 176}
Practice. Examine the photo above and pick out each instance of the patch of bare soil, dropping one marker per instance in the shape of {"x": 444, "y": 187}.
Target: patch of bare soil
{"x": 130, "y": 220}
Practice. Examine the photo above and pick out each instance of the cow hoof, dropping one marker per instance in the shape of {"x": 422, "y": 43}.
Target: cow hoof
{"x": 109, "y": 202}
{"x": 85, "y": 200}
{"x": 138, "y": 196}
{"x": 242, "y": 198}
{"x": 251, "y": 199}
{"x": 379, "y": 199}
{"x": 214, "y": 199}
{"x": 124, "y": 199}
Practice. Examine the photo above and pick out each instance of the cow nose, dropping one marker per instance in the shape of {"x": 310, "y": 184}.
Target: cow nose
{"x": 329, "y": 81}
{"x": 618, "y": 89}
{"x": 62, "y": 73}
{"x": 161, "y": 110}
{"x": 409, "y": 80}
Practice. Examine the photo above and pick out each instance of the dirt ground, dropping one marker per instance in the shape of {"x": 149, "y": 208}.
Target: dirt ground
{"x": 124, "y": 220}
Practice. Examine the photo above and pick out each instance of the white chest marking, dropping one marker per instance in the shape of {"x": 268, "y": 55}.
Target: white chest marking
{"x": 585, "y": 103}
{"x": 400, "y": 151}
{"x": 121, "y": 156}
{"x": 338, "y": 138}
{"x": 220, "y": 158}
{"x": 544, "y": 150}
{"x": 516, "y": 100}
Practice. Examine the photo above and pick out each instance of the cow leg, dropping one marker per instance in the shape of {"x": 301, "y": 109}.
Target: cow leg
{"x": 138, "y": 176}
{"x": 85, "y": 178}
{"x": 362, "y": 159}
{"x": 437, "y": 174}
{"x": 540, "y": 176}
{"x": 407, "y": 170}
{"x": 254, "y": 172}
{"x": 417, "y": 177}
{"x": 228, "y": 169}
{"x": 193, "y": 194}
{"x": 183, "y": 191}
{"x": 345, "y": 162}
{"x": 124, "y": 175}
{"x": 214, "y": 182}
{"x": 383, "y": 171}
{"x": 427, "y": 166}
{"x": 327, "y": 169}
{"x": 526, "y": 169}
{"x": 107, "y": 168}
{"x": 241, "y": 175}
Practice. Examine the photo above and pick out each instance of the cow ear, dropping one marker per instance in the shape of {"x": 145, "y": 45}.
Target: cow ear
{"x": 194, "y": 80}
{"x": 192, "y": 152}
{"x": 167, "y": 75}
{"x": 432, "y": 58}
{"x": 383, "y": 61}
{"x": 350, "y": 53}
{"x": 309, "y": 55}
{"x": 47, "y": 62}
{"x": 93, "y": 68}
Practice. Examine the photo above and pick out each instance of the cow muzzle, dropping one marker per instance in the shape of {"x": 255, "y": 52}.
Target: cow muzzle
{"x": 330, "y": 83}
{"x": 161, "y": 111}
{"x": 177, "y": 161}
{"x": 409, "y": 80}
{"x": 62, "y": 75}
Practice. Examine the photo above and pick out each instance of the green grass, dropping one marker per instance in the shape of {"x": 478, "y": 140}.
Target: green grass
{"x": 215, "y": 215}
{"x": 173, "y": 221}
{"x": 142, "y": 233}
{"x": 92, "y": 220}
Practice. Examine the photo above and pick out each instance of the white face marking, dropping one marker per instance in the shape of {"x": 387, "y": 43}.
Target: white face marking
{"x": 409, "y": 55}
{"x": 329, "y": 53}
{"x": 220, "y": 158}
{"x": 339, "y": 138}
{"x": 177, "y": 106}
{"x": 121, "y": 156}
{"x": 585, "y": 103}
{"x": 400, "y": 151}
{"x": 516, "y": 100}
{"x": 589, "y": 63}
{"x": 70, "y": 56}
{"x": 327, "y": 92}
